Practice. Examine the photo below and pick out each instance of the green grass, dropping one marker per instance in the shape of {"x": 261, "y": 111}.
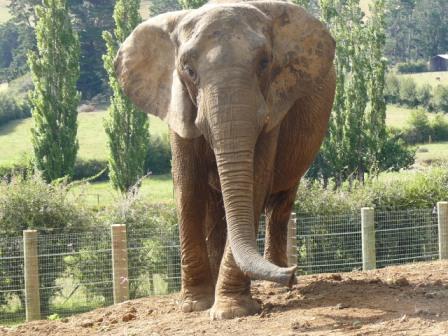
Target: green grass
{"x": 432, "y": 152}
{"x": 397, "y": 116}
{"x": 15, "y": 138}
{"x": 428, "y": 78}
{"x": 155, "y": 189}
{"x": 4, "y": 12}
{"x": 3, "y": 87}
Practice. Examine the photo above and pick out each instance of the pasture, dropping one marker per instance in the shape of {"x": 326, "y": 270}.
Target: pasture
{"x": 15, "y": 139}
{"x": 431, "y": 78}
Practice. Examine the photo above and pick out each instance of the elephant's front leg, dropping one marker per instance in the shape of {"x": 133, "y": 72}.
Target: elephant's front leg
{"x": 190, "y": 183}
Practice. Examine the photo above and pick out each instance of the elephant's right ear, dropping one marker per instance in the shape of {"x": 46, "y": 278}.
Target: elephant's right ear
{"x": 145, "y": 69}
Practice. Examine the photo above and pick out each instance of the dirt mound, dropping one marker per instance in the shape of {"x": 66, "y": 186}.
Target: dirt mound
{"x": 404, "y": 300}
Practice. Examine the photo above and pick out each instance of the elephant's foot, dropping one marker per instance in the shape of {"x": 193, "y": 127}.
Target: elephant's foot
{"x": 228, "y": 307}
{"x": 196, "y": 301}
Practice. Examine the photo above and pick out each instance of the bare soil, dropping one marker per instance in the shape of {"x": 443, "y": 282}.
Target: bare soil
{"x": 403, "y": 300}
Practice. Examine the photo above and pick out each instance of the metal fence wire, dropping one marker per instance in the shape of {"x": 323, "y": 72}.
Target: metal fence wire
{"x": 75, "y": 269}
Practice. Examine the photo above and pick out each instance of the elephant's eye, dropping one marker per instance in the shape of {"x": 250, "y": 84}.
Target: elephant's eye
{"x": 189, "y": 72}
{"x": 264, "y": 63}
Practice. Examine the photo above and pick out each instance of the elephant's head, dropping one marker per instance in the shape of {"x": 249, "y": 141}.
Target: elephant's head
{"x": 228, "y": 72}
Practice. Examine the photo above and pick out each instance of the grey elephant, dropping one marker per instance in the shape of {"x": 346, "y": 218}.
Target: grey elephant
{"x": 247, "y": 90}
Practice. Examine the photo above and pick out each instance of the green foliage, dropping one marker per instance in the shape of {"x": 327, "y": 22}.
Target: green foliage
{"x": 416, "y": 29}
{"x": 55, "y": 69}
{"x": 418, "y": 128}
{"x": 357, "y": 124}
{"x": 191, "y": 4}
{"x": 162, "y": 6}
{"x": 408, "y": 92}
{"x": 126, "y": 126}
{"x": 439, "y": 127}
{"x": 158, "y": 159}
{"x": 440, "y": 99}
{"x": 424, "y": 95}
{"x": 412, "y": 67}
{"x": 395, "y": 154}
{"x": 397, "y": 191}
{"x": 392, "y": 89}
{"x": 15, "y": 41}
{"x": 11, "y": 109}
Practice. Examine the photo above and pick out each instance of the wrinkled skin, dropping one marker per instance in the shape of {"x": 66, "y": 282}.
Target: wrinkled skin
{"x": 247, "y": 90}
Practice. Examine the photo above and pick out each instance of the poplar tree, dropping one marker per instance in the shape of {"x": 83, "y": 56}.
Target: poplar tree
{"x": 55, "y": 71}
{"x": 126, "y": 126}
{"x": 192, "y": 4}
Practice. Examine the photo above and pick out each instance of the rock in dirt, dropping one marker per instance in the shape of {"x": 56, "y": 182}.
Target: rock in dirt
{"x": 336, "y": 277}
{"x": 87, "y": 324}
{"x": 401, "y": 281}
{"x": 342, "y": 306}
{"x": 128, "y": 317}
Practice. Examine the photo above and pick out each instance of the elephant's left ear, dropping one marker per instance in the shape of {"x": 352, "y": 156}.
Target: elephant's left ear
{"x": 303, "y": 53}
{"x": 145, "y": 69}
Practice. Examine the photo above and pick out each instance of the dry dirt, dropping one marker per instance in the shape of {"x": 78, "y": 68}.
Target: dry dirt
{"x": 404, "y": 300}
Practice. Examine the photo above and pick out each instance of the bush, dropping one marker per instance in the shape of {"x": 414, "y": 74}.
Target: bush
{"x": 439, "y": 127}
{"x": 394, "y": 191}
{"x": 440, "y": 99}
{"x": 392, "y": 89}
{"x": 33, "y": 204}
{"x": 408, "y": 92}
{"x": 395, "y": 154}
{"x": 418, "y": 129}
{"x": 11, "y": 109}
{"x": 412, "y": 67}
{"x": 85, "y": 169}
{"x": 158, "y": 159}
{"x": 424, "y": 95}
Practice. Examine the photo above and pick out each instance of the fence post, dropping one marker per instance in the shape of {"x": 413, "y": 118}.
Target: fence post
{"x": 442, "y": 217}
{"x": 31, "y": 275}
{"x": 368, "y": 239}
{"x": 291, "y": 246}
{"x": 120, "y": 263}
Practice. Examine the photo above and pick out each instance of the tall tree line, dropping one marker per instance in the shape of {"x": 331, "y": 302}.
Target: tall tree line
{"x": 416, "y": 29}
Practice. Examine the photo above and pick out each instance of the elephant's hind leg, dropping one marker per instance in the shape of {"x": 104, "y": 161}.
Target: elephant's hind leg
{"x": 190, "y": 189}
{"x": 278, "y": 212}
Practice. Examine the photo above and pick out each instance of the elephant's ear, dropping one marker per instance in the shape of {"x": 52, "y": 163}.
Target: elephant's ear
{"x": 303, "y": 53}
{"x": 145, "y": 68}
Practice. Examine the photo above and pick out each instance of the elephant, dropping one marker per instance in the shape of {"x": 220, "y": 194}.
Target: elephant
{"x": 246, "y": 89}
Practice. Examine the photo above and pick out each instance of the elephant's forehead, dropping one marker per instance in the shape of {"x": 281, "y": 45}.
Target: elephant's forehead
{"x": 220, "y": 22}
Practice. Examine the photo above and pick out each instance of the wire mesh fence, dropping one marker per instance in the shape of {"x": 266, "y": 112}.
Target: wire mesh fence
{"x": 75, "y": 269}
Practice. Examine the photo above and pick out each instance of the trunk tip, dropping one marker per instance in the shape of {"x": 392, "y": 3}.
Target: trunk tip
{"x": 292, "y": 279}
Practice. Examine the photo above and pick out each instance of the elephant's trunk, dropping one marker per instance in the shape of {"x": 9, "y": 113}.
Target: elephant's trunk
{"x": 234, "y": 132}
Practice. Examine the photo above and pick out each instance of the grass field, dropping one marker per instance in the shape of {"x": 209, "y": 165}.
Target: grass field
{"x": 15, "y": 138}
{"x": 430, "y": 152}
{"x": 397, "y": 116}
{"x": 4, "y": 12}
{"x": 428, "y": 78}
{"x": 155, "y": 189}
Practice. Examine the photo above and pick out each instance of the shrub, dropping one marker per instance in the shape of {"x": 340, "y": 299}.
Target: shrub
{"x": 395, "y": 154}
{"x": 424, "y": 95}
{"x": 440, "y": 99}
{"x": 85, "y": 169}
{"x": 33, "y": 204}
{"x": 394, "y": 191}
{"x": 158, "y": 159}
{"x": 412, "y": 67}
{"x": 418, "y": 128}
{"x": 11, "y": 109}
{"x": 408, "y": 92}
{"x": 439, "y": 127}
{"x": 392, "y": 89}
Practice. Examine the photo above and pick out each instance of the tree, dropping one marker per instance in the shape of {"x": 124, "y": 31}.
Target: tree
{"x": 126, "y": 126}
{"x": 191, "y": 4}
{"x": 91, "y": 18}
{"x": 162, "y": 6}
{"x": 55, "y": 71}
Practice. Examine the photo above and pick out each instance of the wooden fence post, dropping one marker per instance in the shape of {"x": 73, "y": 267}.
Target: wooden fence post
{"x": 442, "y": 217}
{"x": 291, "y": 246}
{"x": 31, "y": 274}
{"x": 368, "y": 239}
{"x": 120, "y": 263}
